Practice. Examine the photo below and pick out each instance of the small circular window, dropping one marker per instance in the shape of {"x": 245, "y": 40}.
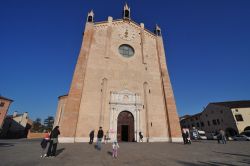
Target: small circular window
{"x": 126, "y": 50}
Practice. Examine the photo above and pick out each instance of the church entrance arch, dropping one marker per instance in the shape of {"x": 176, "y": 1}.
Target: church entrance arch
{"x": 125, "y": 116}
{"x": 125, "y": 127}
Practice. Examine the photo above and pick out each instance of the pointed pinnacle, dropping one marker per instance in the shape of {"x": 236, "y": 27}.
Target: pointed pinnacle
{"x": 157, "y": 27}
{"x": 91, "y": 12}
{"x": 126, "y": 6}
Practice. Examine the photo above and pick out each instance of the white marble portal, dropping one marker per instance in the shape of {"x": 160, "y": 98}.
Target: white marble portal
{"x": 124, "y": 101}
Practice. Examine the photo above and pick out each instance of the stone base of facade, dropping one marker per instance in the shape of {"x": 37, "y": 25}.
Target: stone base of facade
{"x": 66, "y": 139}
{"x": 177, "y": 139}
{"x": 83, "y": 139}
{"x": 74, "y": 139}
{"x": 151, "y": 139}
{"x": 156, "y": 139}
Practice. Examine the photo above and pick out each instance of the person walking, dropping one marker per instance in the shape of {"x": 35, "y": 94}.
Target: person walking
{"x": 223, "y": 137}
{"x": 91, "y": 136}
{"x": 106, "y": 137}
{"x": 115, "y": 147}
{"x": 44, "y": 143}
{"x": 141, "y": 137}
{"x": 184, "y": 137}
{"x": 53, "y": 142}
{"x": 187, "y": 136}
{"x": 99, "y": 138}
{"x": 218, "y": 135}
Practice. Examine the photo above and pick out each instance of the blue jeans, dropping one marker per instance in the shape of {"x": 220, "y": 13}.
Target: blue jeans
{"x": 224, "y": 140}
{"x": 99, "y": 143}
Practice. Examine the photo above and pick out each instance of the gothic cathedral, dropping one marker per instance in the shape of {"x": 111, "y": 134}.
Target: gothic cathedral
{"x": 121, "y": 83}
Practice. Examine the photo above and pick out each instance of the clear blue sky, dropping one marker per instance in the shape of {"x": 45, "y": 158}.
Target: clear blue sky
{"x": 207, "y": 44}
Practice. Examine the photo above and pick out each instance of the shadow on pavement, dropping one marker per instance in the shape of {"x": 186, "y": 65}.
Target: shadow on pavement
{"x": 207, "y": 141}
{"x": 201, "y": 163}
{"x": 245, "y": 161}
{"x": 96, "y": 147}
{"x": 214, "y": 163}
{"x": 6, "y": 144}
{"x": 110, "y": 153}
{"x": 234, "y": 154}
{"x": 59, "y": 151}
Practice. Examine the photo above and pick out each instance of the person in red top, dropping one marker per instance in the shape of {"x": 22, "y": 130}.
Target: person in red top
{"x": 47, "y": 135}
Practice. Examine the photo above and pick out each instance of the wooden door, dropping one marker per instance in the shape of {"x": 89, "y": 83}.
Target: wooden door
{"x": 125, "y": 127}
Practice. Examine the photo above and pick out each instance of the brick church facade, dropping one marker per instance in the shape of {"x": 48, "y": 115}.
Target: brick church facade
{"x": 121, "y": 83}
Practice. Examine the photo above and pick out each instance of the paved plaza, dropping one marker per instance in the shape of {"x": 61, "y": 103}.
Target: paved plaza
{"x": 27, "y": 153}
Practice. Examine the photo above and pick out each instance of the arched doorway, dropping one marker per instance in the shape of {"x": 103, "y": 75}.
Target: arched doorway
{"x": 125, "y": 127}
{"x": 247, "y": 128}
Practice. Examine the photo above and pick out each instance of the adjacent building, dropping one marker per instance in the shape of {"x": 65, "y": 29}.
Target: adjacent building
{"x": 16, "y": 126}
{"x": 232, "y": 117}
{"x": 121, "y": 83}
{"x": 4, "y": 106}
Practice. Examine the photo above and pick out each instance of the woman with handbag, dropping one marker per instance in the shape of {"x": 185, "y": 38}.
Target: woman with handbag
{"x": 53, "y": 142}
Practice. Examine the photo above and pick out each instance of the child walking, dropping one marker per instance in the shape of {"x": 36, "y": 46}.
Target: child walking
{"x": 44, "y": 143}
{"x": 115, "y": 147}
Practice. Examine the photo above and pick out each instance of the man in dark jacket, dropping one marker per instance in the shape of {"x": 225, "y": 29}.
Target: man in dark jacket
{"x": 53, "y": 142}
{"x": 99, "y": 138}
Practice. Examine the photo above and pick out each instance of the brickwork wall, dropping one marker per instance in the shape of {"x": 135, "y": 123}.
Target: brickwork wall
{"x": 3, "y": 110}
{"x": 87, "y": 105}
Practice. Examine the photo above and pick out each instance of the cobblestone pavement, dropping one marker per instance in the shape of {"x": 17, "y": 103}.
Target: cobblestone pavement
{"x": 27, "y": 153}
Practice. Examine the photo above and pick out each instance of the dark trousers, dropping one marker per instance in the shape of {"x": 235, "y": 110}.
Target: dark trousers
{"x": 91, "y": 140}
{"x": 223, "y": 140}
{"x": 185, "y": 140}
{"x": 52, "y": 149}
{"x": 218, "y": 139}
